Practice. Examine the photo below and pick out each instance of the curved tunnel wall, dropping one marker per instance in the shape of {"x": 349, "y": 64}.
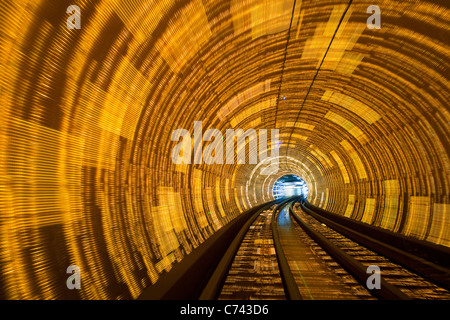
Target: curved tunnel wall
{"x": 87, "y": 115}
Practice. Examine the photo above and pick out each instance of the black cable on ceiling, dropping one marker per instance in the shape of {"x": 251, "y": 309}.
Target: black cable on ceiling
{"x": 315, "y": 76}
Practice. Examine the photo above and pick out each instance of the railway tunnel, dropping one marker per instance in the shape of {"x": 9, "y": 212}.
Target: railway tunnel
{"x": 140, "y": 139}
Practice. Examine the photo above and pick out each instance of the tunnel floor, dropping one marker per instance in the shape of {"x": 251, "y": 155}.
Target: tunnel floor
{"x": 320, "y": 263}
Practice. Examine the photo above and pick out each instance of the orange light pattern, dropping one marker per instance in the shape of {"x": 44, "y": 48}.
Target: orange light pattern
{"x": 86, "y": 118}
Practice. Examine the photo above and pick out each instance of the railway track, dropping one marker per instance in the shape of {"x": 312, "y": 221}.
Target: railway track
{"x": 289, "y": 252}
{"x": 402, "y": 282}
{"x": 254, "y": 273}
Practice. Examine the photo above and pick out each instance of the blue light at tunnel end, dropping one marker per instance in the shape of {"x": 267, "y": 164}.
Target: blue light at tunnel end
{"x": 290, "y": 185}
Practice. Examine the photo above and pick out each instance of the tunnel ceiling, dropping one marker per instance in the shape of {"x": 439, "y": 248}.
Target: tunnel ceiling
{"x": 87, "y": 116}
